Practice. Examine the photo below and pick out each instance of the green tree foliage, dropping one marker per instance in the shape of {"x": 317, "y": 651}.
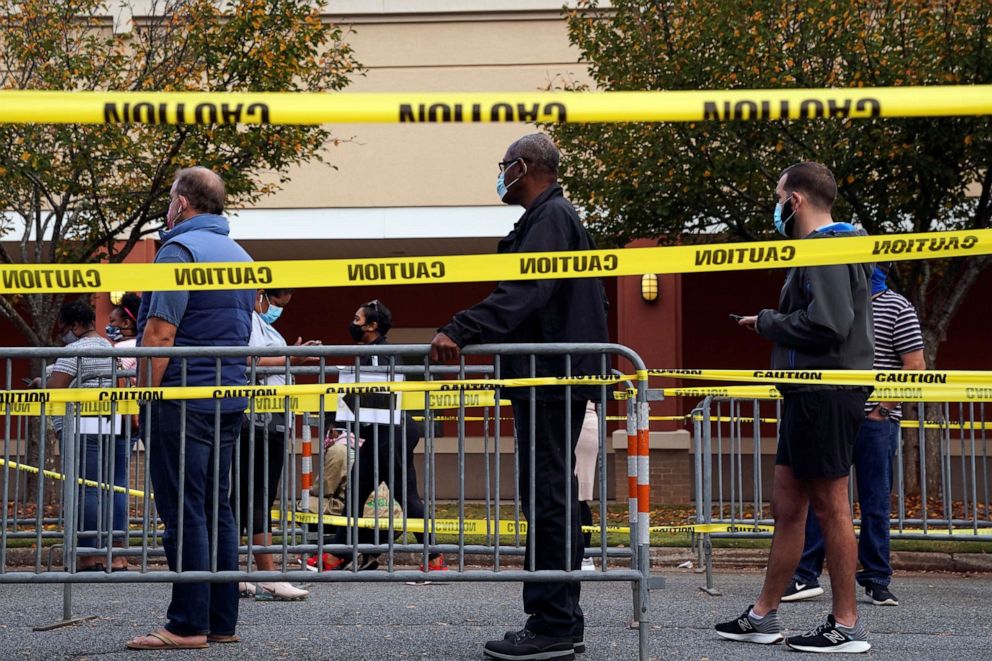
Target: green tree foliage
{"x": 81, "y": 193}
{"x": 713, "y": 181}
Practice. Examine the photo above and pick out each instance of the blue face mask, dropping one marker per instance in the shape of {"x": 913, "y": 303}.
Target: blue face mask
{"x": 878, "y": 278}
{"x": 782, "y": 224}
{"x": 272, "y": 314}
{"x": 114, "y": 333}
{"x": 502, "y": 187}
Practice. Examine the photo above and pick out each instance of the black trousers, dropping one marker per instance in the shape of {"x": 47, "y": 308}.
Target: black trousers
{"x": 257, "y": 504}
{"x": 364, "y": 483}
{"x": 553, "y": 607}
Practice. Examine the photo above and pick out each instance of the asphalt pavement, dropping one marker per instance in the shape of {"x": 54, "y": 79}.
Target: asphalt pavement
{"x": 941, "y": 617}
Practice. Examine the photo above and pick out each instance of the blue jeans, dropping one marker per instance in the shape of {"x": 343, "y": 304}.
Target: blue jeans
{"x": 196, "y": 608}
{"x": 94, "y": 465}
{"x": 874, "y": 450}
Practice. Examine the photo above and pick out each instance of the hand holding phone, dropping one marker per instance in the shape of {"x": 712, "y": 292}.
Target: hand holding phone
{"x": 749, "y": 322}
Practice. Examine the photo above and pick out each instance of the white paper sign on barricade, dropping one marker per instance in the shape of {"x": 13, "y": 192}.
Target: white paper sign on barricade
{"x": 374, "y": 408}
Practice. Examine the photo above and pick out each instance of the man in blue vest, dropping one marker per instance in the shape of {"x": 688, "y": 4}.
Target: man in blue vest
{"x": 197, "y": 232}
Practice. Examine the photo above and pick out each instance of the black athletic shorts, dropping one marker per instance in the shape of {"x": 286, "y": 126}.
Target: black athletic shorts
{"x": 818, "y": 429}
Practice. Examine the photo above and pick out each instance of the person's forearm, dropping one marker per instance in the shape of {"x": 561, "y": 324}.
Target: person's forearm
{"x": 158, "y": 366}
{"x": 269, "y": 361}
{"x": 913, "y": 361}
{"x": 158, "y": 333}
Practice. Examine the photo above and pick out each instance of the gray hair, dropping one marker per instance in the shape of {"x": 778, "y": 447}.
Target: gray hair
{"x": 539, "y": 151}
{"x": 202, "y": 187}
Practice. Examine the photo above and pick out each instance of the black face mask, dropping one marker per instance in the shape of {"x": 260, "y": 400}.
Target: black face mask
{"x": 356, "y": 332}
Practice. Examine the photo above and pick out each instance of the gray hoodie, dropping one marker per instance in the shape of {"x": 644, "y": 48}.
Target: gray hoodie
{"x": 824, "y": 316}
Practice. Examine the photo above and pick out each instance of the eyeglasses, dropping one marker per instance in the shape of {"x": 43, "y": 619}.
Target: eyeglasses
{"x": 506, "y": 165}
{"x": 374, "y": 307}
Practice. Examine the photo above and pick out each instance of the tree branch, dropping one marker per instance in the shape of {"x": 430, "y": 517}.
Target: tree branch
{"x": 10, "y": 312}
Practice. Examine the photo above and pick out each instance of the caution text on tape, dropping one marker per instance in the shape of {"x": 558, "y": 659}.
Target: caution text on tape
{"x": 80, "y": 107}
{"x": 47, "y": 278}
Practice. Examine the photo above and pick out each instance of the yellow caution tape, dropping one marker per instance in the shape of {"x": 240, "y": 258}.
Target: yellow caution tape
{"x": 468, "y": 386}
{"x": 917, "y": 392}
{"x": 876, "y": 378}
{"x": 484, "y": 527}
{"x": 511, "y": 527}
{"x": 46, "y": 278}
{"x": 267, "y": 404}
{"x": 59, "y": 476}
{"x": 411, "y": 401}
{"x": 725, "y": 392}
{"x": 86, "y": 409}
{"x": 969, "y": 386}
{"x": 56, "y": 107}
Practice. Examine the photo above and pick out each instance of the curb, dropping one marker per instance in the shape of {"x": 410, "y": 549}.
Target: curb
{"x": 959, "y": 563}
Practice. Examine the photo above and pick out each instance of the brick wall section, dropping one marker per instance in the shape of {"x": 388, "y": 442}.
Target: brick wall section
{"x": 670, "y": 472}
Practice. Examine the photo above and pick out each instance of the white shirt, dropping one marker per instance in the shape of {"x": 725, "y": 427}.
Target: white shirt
{"x": 264, "y": 335}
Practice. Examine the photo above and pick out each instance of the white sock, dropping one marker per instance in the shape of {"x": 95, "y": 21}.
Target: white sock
{"x": 847, "y": 628}
{"x": 754, "y": 616}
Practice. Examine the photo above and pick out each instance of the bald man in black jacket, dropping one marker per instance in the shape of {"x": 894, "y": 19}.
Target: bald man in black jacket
{"x": 542, "y": 311}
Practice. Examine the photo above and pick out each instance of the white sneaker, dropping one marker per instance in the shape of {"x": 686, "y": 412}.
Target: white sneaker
{"x": 588, "y": 564}
{"x": 246, "y": 589}
{"x": 279, "y": 592}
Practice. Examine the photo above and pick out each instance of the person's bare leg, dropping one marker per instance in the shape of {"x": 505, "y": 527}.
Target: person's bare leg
{"x": 263, "y": 561}
{"x": 789, "y": 507}
{"x": 833, "y": 510}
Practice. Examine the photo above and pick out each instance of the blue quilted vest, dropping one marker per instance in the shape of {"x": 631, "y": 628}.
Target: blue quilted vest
{"x": 213, "y": 318}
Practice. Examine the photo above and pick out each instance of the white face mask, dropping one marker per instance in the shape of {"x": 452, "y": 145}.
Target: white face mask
{"x": 170, "y": 219}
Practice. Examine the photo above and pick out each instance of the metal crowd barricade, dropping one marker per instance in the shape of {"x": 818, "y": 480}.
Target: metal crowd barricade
{"x": 491, "y": 548}
{"x": 734, "y": 443}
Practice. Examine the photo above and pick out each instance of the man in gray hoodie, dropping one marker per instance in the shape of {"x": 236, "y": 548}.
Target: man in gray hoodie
{"x": 824, "y": 321}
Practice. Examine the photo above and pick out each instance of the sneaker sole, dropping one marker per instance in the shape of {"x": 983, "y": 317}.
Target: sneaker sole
{"x": 268, "y": 596}
{"x": 851, "y": 647}
{"x": 758, "y": 638}
{"x": 886, "y": 602}
{"x": 565, "y": 655}
{"x": 808, "y": 593}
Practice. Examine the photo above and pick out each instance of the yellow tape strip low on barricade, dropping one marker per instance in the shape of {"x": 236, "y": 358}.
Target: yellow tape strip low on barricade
{"x": 946, "y": 424}
{"x": 306, "y": 108}
{"x": 59, "y": 476}
{"x": 49, "y": 278}
{"x": 483, "y": 527}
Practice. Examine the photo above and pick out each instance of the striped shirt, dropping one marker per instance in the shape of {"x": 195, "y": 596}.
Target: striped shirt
{"x": 95, "y": 371}
{"x": 897, "y": 332}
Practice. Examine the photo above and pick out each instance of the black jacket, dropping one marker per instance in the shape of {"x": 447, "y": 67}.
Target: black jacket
{"x": 824, "y": 316}
{"x": 541, "y": 311}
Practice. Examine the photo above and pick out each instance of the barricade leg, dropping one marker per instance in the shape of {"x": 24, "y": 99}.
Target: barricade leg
{"x": 70, "y": 491}
{"x": 702, "y": 424}
{"x": 643, "y": 520}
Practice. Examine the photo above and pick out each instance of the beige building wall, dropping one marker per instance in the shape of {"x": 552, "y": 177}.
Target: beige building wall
{"x": 414, "y": 189}
{"x": 433, "y": 165}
